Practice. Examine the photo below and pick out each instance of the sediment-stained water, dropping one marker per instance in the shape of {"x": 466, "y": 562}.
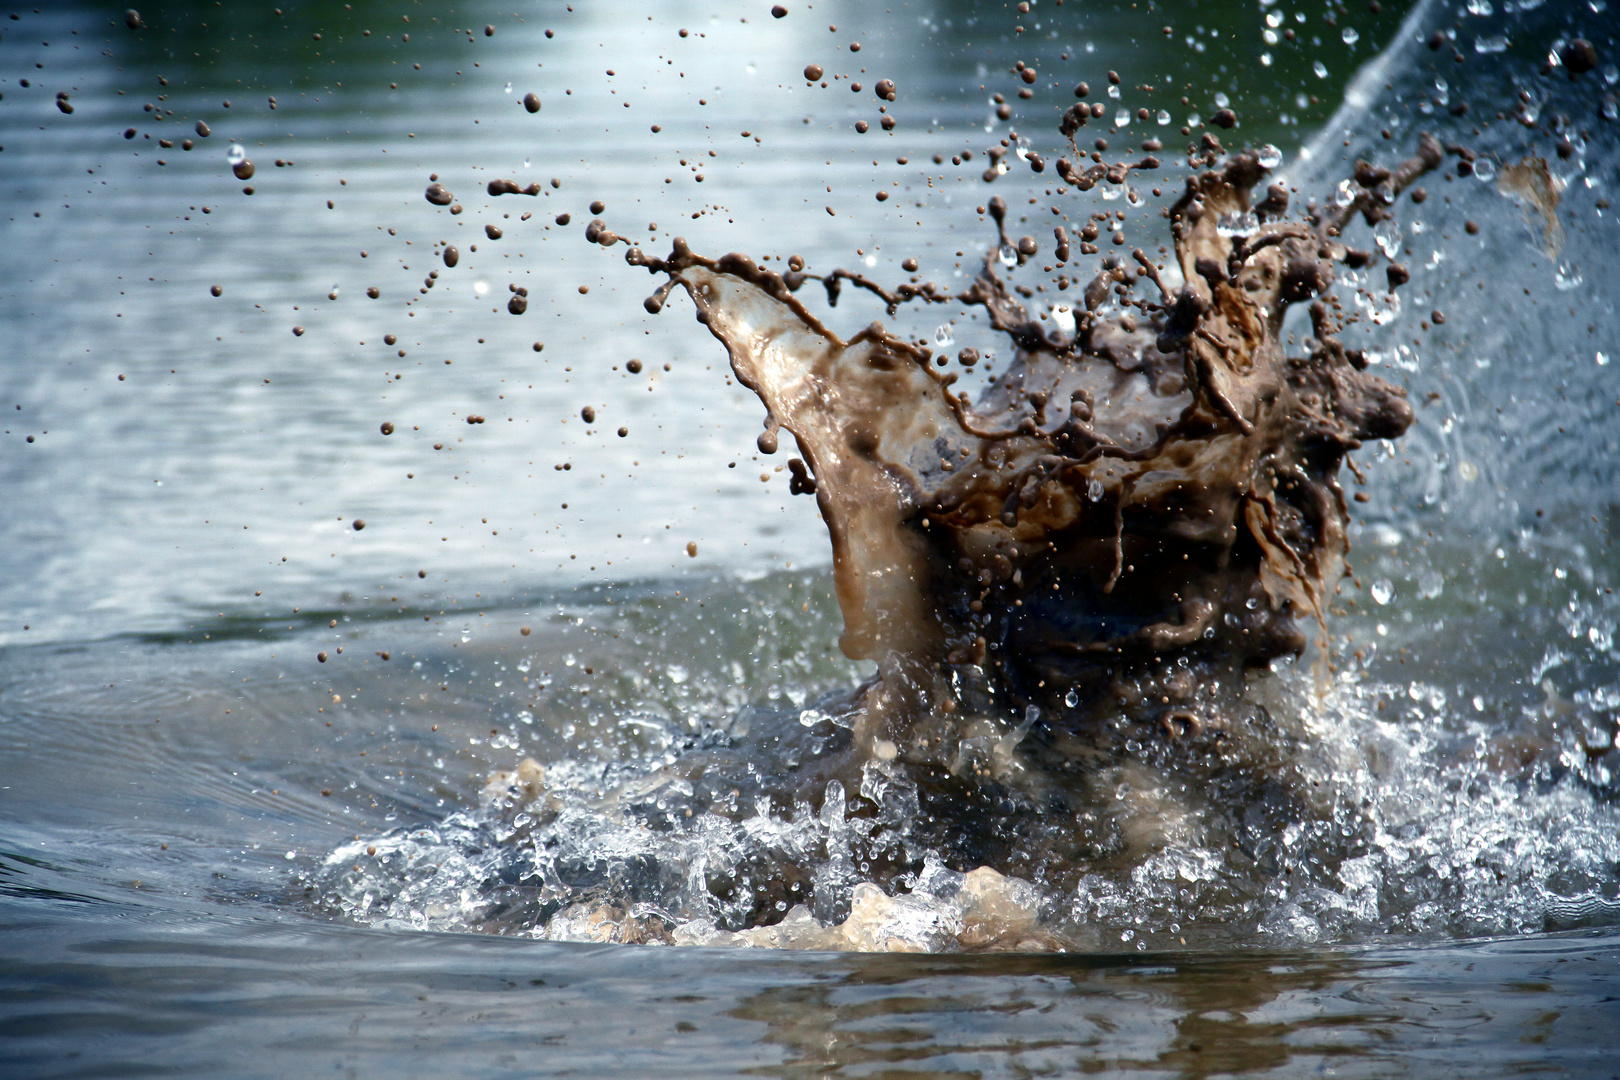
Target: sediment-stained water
{"x": 413, "y": 632}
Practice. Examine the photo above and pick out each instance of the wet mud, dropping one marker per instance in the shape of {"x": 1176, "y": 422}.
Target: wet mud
{"x": 1073, "y": 588}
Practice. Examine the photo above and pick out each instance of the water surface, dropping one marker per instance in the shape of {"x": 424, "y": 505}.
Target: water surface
{"x": 182, "y": 782}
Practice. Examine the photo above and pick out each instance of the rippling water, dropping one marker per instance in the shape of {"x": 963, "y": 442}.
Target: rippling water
{"x": 215, "y": 850}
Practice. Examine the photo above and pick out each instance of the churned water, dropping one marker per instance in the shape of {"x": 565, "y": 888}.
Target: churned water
{"x": 386, "y": 680}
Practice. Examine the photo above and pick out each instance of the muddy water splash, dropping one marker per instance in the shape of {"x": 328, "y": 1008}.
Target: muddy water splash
{"x": 1157, "y": 486}
{"x": 1072, "y": 589}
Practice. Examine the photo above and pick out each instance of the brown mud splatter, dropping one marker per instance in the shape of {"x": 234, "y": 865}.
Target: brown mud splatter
{"x": 1133, "y": 512}
{"x": 1065, "y": 584}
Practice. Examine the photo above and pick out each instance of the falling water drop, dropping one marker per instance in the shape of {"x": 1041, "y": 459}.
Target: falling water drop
{"x": 235, "y": 154}
{"x": 1387, "y": 234}
{"x": 1233, "y": 223}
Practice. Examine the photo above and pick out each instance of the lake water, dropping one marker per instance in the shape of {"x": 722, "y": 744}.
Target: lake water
{"x": 215, "y": 847}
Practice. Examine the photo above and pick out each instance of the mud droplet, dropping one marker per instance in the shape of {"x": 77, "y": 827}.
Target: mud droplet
{"x": 373, "y": 292}
{"x": 298, "y": 331}
{"x": 492, "y": 231}
{"x": 623, "y": 432}
{"x": 243, "y": 169}
{"x": 216, "y": 290}
{"x": 203, "y": 130}
{"x": 813, "y": 72}
{"x": 633, "y": 366}
{"x": 390, "y": 339}
{"x": 524, "y": 630}
{"x": 531, "y": 101}
{"x": 439, "y": 195}
{"x": 1226, "y": 118}
{"x": 387, "y": 427}
{"x": 451, "y": 256}
{"x": 778, "y": 12}
{"x": 132, "y": 19}
{"x": 1580, "y": 56}
{"x": 359, "y": 523}
{"x": 320, "y": 657}
{"x": 598, "y": 206}
{"x": 691, "y": 548}
{"x": 588, "y": 415}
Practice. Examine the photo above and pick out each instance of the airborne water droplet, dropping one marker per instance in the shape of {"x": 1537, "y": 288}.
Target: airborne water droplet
{"x": 1387, "y": 234}
{"x": 943, "y": 338}
{"x": 1431, "y": 584}
{"x": 1237, "y": 224}
{"x": 235, "y": 154}
{"x": 1383, "y": 591}
{"x": 1270, "y": 156}
{"x": 1484, "y": 169}
{"x": 1007, "y": 255}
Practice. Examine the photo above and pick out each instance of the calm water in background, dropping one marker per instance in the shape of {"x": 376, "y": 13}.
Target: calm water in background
{"x": 177, "y": 542}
